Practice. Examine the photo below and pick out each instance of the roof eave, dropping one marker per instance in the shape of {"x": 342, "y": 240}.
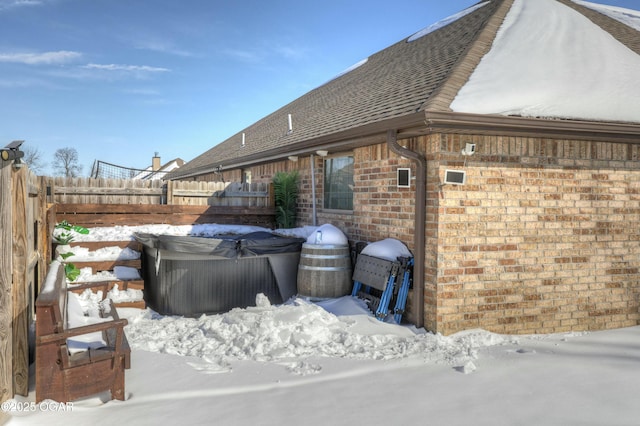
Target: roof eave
{"x": 606, "y": 131}
{"x": 368, "y": 134}
{"x": 434, "y": 122}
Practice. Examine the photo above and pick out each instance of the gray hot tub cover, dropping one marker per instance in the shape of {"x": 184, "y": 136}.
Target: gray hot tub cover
{"x": 229, "y": 246}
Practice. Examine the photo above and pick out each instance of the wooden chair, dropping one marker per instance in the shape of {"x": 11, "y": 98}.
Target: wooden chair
{"x": 63, "y": 375}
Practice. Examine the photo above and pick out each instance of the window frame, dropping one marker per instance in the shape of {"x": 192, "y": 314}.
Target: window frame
{"x": 326, "y": 161}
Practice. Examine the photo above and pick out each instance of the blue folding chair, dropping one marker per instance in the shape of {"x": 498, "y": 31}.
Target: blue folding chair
{"x": 391, "y": 279}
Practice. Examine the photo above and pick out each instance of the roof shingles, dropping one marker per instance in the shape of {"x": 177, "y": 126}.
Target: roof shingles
{"x": 400, "y": 80}
{"x": 393, "y": 82}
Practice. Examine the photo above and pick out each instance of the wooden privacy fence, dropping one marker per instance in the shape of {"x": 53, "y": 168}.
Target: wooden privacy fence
{"x": 93, "y": 215}
{"x": 23, "y": 254}
{"x": 30, "y": 206}
{"x": 128, "y": 191}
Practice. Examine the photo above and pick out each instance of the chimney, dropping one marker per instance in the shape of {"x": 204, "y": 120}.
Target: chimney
{"x": 155, "y": 162}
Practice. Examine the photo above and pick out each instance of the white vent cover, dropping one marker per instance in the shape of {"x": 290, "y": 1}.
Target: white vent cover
{"x": 455, "y": 177}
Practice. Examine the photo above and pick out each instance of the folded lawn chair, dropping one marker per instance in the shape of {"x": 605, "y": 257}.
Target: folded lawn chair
{"x": 384, "y": 281}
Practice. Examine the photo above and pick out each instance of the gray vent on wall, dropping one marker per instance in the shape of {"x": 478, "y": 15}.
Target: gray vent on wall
{"x": 455, "y": 177}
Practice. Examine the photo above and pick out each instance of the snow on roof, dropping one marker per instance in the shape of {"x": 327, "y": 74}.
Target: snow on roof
{"x": 446, "y": 21}
{"x": 626, "y": 16}
{"x": 349, "y": 69}
{"x": 550, "y": 61}
{"x": 149, "y": 173}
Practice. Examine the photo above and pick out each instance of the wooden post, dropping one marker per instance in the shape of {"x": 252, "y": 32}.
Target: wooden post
{"x": 272, "y": 196}
{"x": 6, "y": 267}
{"x": 169, "y": 200}
{"x": 50, "y": 190}
{"x": 43, "y": 233}
{"x": 19, "y": 288}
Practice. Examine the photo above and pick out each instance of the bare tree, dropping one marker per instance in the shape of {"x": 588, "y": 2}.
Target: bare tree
{"x": 33, "y": 158}
{"x": 65, "y": 162}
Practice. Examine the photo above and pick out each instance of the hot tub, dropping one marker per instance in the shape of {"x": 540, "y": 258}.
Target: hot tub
{"x": 191, "y": 276}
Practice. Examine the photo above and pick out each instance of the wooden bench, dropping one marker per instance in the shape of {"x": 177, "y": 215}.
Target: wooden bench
{"x": 106, "y": 286}
{"x": 126, "y": 282}
{"x": 66, "y": 371}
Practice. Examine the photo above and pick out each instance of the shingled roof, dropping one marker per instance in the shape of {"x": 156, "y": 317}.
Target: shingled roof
{"x": 391, "y": 89}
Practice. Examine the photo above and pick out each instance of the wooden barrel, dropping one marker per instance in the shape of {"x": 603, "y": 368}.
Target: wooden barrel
{"x": 324, "y": 271}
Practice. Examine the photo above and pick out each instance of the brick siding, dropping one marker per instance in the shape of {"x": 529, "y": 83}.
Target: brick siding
{"x": 544, "y": 237}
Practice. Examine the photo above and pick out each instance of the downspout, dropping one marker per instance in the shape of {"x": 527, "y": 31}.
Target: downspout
{"x": 420, "y": 219}
{"x": 313, "y": 190}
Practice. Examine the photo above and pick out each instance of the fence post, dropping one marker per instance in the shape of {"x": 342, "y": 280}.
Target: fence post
{"x": 50, "y": 188}
{"x": 20, "y": 283}
{"x": 6, "y": 267}
{"x": 43, "y": 233}
{"x": 169, "y": 192}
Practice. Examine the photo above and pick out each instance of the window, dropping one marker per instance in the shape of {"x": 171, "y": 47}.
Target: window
{"x": 338, "y": 183}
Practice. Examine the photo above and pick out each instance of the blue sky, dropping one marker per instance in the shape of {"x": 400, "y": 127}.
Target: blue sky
{"x": 119, "y": 80}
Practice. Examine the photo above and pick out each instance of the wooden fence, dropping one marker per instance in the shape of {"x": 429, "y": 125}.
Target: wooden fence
{"x": 93, "y": 215}
{"x": 6, "y": 267}
{"x": 23, "y": 254}
{"x": 31, "y": 205}
{"x": 128, "y": 191}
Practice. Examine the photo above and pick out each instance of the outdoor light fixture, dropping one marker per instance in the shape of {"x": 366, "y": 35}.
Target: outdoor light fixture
{"x": 18, "y": 163}
{"x": 469, "y": 149}
{"x": 12, "y": 152}
{"x": 293, "y": 158}
{"x": 8, "y": 154}
{"x": 322, "y": 152}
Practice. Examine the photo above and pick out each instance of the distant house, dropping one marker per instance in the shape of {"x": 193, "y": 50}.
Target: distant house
{"x": 157, "y": 170}
{"x": 519, "y": 124}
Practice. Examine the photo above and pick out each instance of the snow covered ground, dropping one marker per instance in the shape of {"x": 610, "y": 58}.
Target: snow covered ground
{"x": 298, "y": 364}
{"x": 333, "y": 363}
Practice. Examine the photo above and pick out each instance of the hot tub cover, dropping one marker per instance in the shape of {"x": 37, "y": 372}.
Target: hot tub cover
{"x": 192, "y": 276}
{"x": 229, "y": 246}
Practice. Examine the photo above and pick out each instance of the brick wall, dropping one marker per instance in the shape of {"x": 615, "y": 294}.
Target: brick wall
{"x": 544, "y": 237}
{"x": 381, "y": 210}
